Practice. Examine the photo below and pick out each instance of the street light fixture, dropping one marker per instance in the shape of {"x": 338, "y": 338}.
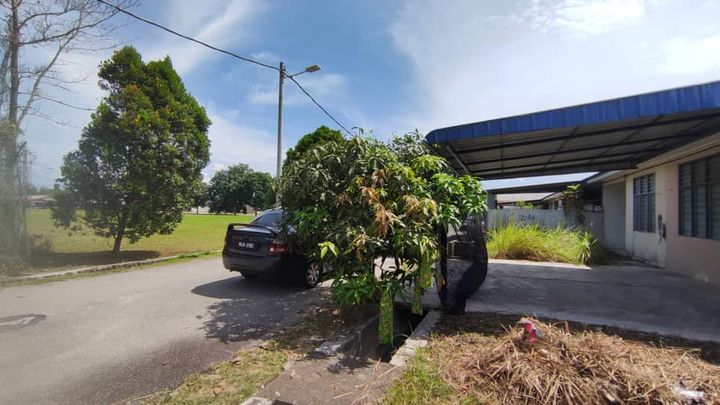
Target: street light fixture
{"x": 283, "y": 75}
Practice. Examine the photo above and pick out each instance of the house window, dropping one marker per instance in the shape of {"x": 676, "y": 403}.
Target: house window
{"x": 644, "y": 203}
{"x": 700, "y": 198}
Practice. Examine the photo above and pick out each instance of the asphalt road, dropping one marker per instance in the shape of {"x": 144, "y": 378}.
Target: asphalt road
{"x": 118, "y": 336}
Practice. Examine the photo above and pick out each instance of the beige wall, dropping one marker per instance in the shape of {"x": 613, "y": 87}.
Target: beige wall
{"x": 646, "y": 246}
{"x": 613, "y": 202}
{"x": 699, "y": 258}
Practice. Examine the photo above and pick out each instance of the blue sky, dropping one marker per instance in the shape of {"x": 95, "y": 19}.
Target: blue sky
{"x": 393, "y": 66}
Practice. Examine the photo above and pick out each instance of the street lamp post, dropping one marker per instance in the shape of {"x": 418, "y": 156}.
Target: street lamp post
{"x": 283, "y": 75}
{"x": 278, "y": 170}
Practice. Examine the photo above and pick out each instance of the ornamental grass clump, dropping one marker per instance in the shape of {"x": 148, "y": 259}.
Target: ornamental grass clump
{"x": 537, "y": 243}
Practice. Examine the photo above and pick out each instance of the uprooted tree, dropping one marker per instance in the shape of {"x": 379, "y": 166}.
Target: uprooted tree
{"x": 138, "y": 162}
{"x": 373, "y": 213}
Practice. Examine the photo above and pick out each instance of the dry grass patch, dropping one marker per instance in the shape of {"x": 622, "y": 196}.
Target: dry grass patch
{"x": 566, "y": 366}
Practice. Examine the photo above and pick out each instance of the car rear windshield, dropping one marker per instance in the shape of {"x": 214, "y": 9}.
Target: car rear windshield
{"x": 268, "y": 219}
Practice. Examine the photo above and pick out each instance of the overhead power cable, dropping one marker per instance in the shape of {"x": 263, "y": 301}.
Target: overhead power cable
{"x": 234, "y": 55}
{"x": 319, "y": 106}
{"x": 197, "y": 41}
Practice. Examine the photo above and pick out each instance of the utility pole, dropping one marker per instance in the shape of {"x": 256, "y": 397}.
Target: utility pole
{"x": 283, "y": 75}
{"x": 279, "y": 124}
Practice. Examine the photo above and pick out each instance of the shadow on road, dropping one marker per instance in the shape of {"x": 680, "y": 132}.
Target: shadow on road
{"x": 251, "y": 309}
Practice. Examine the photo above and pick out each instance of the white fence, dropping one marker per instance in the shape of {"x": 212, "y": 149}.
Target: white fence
{"x": 592, "y": 221}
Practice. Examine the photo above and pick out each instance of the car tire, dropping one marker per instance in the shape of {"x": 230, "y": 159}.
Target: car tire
{"x": 312, "y": 275}
{"x": 248, "y": 276}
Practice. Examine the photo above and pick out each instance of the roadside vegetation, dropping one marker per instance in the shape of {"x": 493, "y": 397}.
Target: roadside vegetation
{"x": 57, "y": 249}
{"x": 486, "y": 359}
{"x": 355, "y": 200}
{"x": 48, "y": 278}
{"x": 537, "y": 243}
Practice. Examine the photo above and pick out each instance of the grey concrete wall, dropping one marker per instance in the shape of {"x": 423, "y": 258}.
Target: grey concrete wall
{"x": 593, "y": 222}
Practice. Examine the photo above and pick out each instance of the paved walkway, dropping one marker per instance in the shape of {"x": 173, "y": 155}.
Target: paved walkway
{"x": 627, "y": 296}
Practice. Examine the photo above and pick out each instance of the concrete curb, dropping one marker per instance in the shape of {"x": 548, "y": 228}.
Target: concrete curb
{"x": 418, "y": 338}
{"x": 105, "y": 267}
{"x": 345, "y": 342}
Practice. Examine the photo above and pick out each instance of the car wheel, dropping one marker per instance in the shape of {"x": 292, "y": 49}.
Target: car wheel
{"x": 312, "y": 275}
{"x": 248, "y": 276}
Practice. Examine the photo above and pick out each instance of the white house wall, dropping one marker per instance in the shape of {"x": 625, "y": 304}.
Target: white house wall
{"x": 646, "y": 246}
{"x": 697, "y": 257}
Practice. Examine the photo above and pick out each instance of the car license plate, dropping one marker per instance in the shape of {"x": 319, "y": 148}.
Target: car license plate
{"x": 246, "y": 245}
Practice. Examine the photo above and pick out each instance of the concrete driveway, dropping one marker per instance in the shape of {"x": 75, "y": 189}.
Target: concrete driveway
{"x": 628, "y": 296}
{"x": 108, "y": 338}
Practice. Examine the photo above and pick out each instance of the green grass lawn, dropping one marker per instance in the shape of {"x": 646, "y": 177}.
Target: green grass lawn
{"x": 196, "y": 233}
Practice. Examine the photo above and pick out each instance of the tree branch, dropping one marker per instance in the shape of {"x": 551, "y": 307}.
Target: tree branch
{"x": 39, "y": 79}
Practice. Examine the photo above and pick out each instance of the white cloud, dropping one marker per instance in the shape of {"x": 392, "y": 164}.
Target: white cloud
{"x": 233, "y": 143}
{"x": 473, "y": 61}
{"x": 692, "y": 55}
{"x": 217, "y": 22}
{"x": 585, "y": 17}
{"x": 266, "y": 57}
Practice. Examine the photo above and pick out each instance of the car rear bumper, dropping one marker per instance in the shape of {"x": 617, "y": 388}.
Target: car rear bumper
{"x": 259, "y": 265}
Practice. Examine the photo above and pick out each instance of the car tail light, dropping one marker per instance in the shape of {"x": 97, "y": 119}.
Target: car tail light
{"x": 277, "y": 248}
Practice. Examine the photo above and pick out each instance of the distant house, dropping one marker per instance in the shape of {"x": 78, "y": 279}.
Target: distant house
{"x": 38, "y": 201}
{"x": 657, "y": 194}
{"x": 520, "y": 200}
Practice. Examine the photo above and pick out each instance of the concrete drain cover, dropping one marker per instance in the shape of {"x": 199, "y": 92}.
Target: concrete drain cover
{"x": 19, "y": 321}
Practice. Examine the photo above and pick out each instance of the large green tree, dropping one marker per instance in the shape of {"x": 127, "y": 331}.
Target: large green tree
{"x": 237, "y": 187}
{"x": 139, "y": 159}
{"x": 320, "y": 136}
{"x": 353, "y": 202}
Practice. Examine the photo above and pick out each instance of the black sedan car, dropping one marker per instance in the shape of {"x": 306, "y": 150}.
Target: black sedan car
{"x": 260, "y": 249}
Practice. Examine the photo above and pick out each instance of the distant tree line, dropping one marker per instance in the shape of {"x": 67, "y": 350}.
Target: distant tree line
{"x": 236, "y": 188}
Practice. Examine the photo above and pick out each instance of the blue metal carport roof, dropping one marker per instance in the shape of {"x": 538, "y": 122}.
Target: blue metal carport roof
{"x": 607, "y": 135}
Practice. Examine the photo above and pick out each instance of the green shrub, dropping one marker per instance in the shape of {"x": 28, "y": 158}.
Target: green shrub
{"x": 538, "y": 243}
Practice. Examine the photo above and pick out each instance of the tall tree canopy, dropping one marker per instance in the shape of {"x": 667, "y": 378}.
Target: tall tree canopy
{"x": 352, "y": 202}
{"x": 237, "y": 187}
{"x": 139, "y": 159}
{"x": 320, "y": 136}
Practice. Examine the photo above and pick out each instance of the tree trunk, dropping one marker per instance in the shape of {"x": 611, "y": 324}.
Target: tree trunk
{"x": 385, "y": 329}
{"x": 386, "y": 325}
{"x": 119, "y": 235}
{"x": 12, "y": 221}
